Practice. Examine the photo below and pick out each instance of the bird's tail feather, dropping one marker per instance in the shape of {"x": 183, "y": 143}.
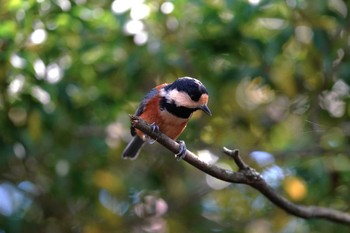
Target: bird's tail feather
{"x": 132, "y": 150}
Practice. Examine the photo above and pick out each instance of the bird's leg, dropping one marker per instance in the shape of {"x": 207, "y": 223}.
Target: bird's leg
{"x": 155, "y": 129}
{"x": 182, "y": 150}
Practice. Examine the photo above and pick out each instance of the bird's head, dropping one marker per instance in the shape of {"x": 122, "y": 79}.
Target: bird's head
{"x": 187, "y": 92}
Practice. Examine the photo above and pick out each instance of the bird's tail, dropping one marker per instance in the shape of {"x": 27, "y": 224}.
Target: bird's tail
{"x": 132, "y": 150}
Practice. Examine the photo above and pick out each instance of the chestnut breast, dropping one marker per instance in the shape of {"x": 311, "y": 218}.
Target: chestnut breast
{"x": 168, "y": 124}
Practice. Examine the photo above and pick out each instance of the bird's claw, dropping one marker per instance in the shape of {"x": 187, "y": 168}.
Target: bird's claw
{"x": 182, "y": 150}
{"x": 154, "y": 127}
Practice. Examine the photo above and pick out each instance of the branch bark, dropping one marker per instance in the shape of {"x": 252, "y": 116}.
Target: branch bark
{"x": 244, "y": 175}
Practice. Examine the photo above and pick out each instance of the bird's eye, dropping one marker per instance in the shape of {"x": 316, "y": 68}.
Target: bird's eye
{"x": 194, "y": 97}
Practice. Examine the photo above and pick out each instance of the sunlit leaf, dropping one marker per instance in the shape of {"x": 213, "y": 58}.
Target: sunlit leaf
{"x": 7, "y": 29}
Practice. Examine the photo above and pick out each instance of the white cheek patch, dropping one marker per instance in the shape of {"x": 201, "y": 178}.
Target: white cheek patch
{"x": 162, "y": 92}
{"x": 181, "y": 99}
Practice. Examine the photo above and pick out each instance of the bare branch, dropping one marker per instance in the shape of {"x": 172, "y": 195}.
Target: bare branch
{"x": 245, "y": 175}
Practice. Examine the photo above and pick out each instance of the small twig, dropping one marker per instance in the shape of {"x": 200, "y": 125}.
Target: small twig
{"x": 235, "y": 155}
{"x": 245, "y": 175}
{"x": 249, "y": 172}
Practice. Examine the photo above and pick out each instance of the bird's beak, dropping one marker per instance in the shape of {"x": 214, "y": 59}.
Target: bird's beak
{"x": 205, "y": 109}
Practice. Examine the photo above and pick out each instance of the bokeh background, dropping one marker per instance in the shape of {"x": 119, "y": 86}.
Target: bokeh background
{"x": 71, "y": 71}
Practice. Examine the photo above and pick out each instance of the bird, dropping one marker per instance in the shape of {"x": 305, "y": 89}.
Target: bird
{"x": 168, "y": 108}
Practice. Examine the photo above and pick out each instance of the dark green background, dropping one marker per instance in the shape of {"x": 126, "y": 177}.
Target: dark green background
{"x": 278, "y": 74}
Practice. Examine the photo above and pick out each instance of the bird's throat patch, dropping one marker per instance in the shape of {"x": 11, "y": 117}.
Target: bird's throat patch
{"x": 179, "y": 111}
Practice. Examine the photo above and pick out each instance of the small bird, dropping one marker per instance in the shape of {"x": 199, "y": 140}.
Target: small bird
{"x": 168, "y": 107}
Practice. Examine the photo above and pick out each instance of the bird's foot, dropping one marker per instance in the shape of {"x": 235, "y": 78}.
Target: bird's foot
{"x": 155, "y": 129}
{"x": 182, "y": 150}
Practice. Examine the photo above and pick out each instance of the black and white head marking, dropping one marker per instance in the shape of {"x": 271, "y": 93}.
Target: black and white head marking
{"x": 184, "y": 96}
{"x": 185, "y": 92}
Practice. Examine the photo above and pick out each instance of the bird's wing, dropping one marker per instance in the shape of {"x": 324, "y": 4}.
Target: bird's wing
{"x": 144, "y": 102}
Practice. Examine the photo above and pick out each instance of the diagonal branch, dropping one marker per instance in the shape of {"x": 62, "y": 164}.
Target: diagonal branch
{"x": 245, "y": 175}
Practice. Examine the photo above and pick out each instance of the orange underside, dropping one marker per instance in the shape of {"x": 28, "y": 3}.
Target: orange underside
{"x": 169, "y": 125}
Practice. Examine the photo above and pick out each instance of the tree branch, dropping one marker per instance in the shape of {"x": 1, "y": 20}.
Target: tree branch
{"x": 245, "y": 175}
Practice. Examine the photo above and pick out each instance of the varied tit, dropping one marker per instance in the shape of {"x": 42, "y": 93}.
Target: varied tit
{"x": 168, "y": 107}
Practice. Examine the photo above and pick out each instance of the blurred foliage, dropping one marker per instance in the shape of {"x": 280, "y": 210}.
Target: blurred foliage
{"x": 278, "y": 73}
